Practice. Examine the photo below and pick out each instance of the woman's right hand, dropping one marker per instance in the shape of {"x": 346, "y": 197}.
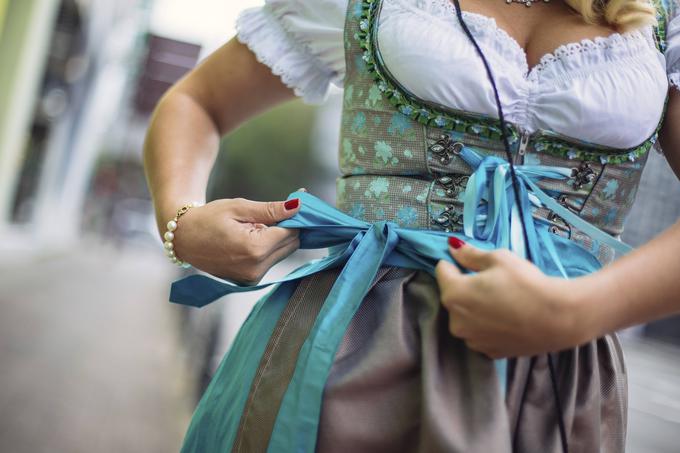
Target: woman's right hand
{"x": 234, "y": 238}
{"x": 231, "y": 238}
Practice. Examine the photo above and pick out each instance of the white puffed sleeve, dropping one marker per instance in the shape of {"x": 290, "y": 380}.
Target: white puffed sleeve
{"x": 300, "y": 40}
{"x": 673, "y": 43}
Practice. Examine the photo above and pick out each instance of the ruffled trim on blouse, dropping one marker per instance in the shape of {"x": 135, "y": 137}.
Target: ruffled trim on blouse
{"x": 587, "y": 54}
{"x": 291, "y": 56}
{"x": 571, "y": 57}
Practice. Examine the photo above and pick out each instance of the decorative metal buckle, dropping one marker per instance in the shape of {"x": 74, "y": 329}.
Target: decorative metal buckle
{"x": 552, "y": 217}
{"x": 448, "y": 218}
{"x": 445, "y": 148}
{"x": 564, "y": 201}
{"x": 453, "y": 185}
{"x": 582, "y": 175}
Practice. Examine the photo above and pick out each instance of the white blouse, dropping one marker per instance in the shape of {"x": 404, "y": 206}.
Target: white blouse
{"x": 608, "y": 91}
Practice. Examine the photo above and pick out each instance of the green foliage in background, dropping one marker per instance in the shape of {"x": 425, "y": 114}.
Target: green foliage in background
{"x": 3, "y": 8}
{"x": 268, "y": 157}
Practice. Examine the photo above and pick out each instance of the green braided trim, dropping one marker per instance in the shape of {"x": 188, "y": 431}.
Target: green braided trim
{"x": 571, "y": 150}
{"x": 660, "y": 29}
{"x": 478, "y": 125}
{"x": 463, "y": 122}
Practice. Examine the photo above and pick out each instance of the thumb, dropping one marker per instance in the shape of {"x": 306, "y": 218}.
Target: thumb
{"x": 267, "y": 212}
{"x": 469, "y": 257}
{"x": 448, "y": 278}
{"x": 445, "y": 272}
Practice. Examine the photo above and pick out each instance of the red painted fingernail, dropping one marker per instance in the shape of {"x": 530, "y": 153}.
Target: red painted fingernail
{"x": 455, "y": 242}
{"x": 292, "y": 204}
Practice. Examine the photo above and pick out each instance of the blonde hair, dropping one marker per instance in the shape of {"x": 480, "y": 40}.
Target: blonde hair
{"x": 622, "y": 15}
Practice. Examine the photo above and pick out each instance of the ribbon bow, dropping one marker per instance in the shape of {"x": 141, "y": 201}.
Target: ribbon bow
{"x": 491, "y": 215}
{"x": 491, "y": 220}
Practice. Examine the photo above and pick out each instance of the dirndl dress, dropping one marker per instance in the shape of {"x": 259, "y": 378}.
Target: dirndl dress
{"x": 353, "y": 353}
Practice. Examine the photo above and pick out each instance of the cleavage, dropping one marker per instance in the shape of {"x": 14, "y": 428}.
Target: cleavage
{"x": 538, "y": 30}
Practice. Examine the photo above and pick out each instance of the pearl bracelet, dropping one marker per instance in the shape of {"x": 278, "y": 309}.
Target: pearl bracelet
{"x": 169, "y": 235}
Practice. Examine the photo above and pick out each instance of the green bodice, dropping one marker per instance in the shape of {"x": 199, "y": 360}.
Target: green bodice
{"x": 398, "y": 154}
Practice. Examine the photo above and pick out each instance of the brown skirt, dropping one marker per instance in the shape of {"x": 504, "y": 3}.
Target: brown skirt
{"x": 401, "y": 383}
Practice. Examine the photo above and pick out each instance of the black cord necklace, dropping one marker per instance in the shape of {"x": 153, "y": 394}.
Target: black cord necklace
{"x": 516, "y": 190}
{"x": 526, "y": 3}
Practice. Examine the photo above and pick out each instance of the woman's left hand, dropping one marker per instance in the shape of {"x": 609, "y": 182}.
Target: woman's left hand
{"x": 508, "y": 307}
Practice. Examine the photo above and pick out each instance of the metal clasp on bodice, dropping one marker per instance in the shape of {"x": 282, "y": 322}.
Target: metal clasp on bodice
{"x": 453, "y": 185}
{"x": 445, "y": 148}
{"x": 582, "y": 175}
{"x": 560, "y": 223}
{"x": 449, "y": 218}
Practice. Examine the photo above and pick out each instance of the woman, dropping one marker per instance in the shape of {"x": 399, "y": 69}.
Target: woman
{"x": 582, "y": 85}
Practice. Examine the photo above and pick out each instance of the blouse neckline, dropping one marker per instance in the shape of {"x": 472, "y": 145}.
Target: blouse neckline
{"x": 481, "y": 23}
{"x": 458, "y": 120}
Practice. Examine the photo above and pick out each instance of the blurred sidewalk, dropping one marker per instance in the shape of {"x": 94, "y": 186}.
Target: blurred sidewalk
{"x": 89, "y": 353}
{"x": 654, "y": 396}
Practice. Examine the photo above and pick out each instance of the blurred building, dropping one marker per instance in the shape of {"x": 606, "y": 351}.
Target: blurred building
{"x": 78, "y": 83}
{"x": 67, "y": 70}
{"x": 79, "y": 80}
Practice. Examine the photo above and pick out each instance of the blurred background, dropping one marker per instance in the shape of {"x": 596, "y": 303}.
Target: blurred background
{"x": 92, "y": 356}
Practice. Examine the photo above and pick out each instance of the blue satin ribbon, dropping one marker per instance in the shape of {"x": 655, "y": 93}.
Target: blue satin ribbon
{"x": 491, "y": 221}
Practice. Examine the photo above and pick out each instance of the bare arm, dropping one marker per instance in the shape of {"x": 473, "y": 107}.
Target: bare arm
{"x": 669, "y": 137}
{"x": 228, "y": 238}
{"x": 229, "y": 87}
{"x": 509, "y": 308}
{"x": 646, "y": 284}
{"x": 638, "y": 288}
